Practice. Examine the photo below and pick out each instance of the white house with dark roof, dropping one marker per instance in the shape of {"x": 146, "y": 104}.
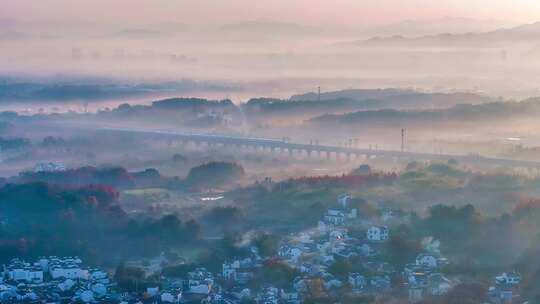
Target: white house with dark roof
{"x": 334, "y": 217}
{"x": 427, "y": 260}
{"x": 438, "y": 284}
{"x": 357, "y": 281}
{"x": 67, "y": 271}
{"x": 18, "y": 270}
{"x": 229, "y": 270}
{"x": 377, "y": 233}
{"x": 343, "y": 199}
{"x": 508, "y": 278}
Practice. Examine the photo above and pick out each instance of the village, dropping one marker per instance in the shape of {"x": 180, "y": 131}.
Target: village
{"x": 313, "y": 255}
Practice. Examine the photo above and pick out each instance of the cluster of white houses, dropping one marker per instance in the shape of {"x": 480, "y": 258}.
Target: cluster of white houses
{"x": 54, "y": 280}
{"x": 313, "y": 252}
{"x": 53, "y": 268}
{"x": 506, "y": 289}
{"x": 242, "y": 270}
{"x": 58, "y": 280}
{"x": 424, "y": 277}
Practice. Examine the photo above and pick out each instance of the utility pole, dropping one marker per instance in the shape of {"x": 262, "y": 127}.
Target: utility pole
{"x": 402, "y": 140}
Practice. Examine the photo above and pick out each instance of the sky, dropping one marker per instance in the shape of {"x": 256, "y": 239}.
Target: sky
{"x": 350, "y": 13}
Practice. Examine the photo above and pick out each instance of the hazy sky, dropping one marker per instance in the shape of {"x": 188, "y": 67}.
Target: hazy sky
{"x": 144, "y": 39}
{"x": 320, "y": 12}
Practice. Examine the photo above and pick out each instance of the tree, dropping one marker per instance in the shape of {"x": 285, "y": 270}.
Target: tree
{"x": 51, "y": 141}
{"x": 214, "y": 174}
{"x": 316, "y": 293}
{"x": 129, "y": 278}
{"x": 211, "y": 259}
{"x": 467, "y": 293}
{"x": 402, "y": 248}
{"x": 267, "y": 244}
{"x": 177, "y": 158}
{"x": 278, "y": 274}
{"x": 364, "y": 169}
{"x": 192, "y": 230}
{"x": 453, "y": 162}
{"x": 340, "y": 268}
{"x": 224, "y": 215}
{"x": 14, "y": 143}
{"x": 178, "y": 271}
{"x": 452, "y": 223}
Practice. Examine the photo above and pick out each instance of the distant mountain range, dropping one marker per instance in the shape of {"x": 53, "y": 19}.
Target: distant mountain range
{"x": 161, "y": 30}
{"x": 416, "y": 28}
{"x": 529, "y": 33}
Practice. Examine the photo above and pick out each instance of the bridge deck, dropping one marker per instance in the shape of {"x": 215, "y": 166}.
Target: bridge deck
{"x": 280, "y": 144}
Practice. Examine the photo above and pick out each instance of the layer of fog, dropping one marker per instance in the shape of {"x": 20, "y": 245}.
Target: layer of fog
{"x": 278, "y": 59}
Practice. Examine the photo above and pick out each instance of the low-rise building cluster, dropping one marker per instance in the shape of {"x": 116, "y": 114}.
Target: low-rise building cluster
{"x": 424, "y": 277}
{"x": 314, "y": 252}
{"x": 53, "y": 280}
{"x": 341, "y": 235}
{"x": 506, "y": 289}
